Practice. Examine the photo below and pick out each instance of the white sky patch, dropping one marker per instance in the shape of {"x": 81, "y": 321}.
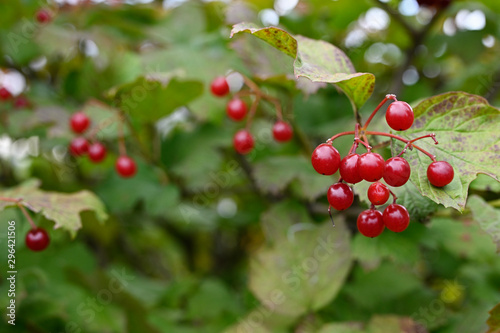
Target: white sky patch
{"x": 284, "y": 7}
{"x": 227, "y": 208}
{"x": 408, "y": 7}
{"x": 410, "y": 76}
{"x": 489, "y": 41}
{"x": 269, "y": 17}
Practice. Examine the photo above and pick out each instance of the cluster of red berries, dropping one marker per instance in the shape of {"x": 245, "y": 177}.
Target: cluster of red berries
{"x": 237, "y": 110}
{"x": 371, "y": 167}
{"x": 79, "y": 146}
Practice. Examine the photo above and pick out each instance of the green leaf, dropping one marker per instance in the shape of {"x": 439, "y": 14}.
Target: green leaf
{"x": 303, "y": 271}
{"x": 152, "y": 97}
{"x": 62, "y": 208}
{"x": 316, "y": 60}
{"x": 494, "y": 320}
{"x": 274, "y": 174}
{"x": 104, "y": 118}
{"x": 487, "y": 217}
{"x": 466, "y": 127}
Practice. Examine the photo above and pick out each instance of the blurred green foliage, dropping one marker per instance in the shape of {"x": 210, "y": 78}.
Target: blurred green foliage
{"x": 205, "y": 240}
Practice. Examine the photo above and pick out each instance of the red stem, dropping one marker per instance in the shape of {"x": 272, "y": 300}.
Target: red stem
{"x": 432, "y": 157}
{"x": 387, "y": 97}
{"x": 253, "y": 109}
{"x": 21, "y": 207}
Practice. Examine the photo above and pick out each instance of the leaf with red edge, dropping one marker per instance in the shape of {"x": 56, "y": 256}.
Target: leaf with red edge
{"x": 466, "y": 127}
{"x": 316, "y": 60}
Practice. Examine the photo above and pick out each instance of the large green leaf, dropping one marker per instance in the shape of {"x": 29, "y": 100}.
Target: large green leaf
{"x": 152, "y": 97}
{"x": 466, "y": 127}
{"x": 62, "y": 208}
{"x": 316, "y": 60}
{"x": 304, "y": 270}
{"x": 487, "y": 217}
{"x": 274, "y": 174}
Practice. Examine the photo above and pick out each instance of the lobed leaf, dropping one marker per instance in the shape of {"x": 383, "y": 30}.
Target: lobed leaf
{"x": 316, "y": 60}
{"x": 466, "y": 127}
{"x": 62, "y": 208}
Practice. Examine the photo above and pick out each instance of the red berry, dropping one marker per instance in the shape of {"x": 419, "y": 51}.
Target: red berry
{"x": 243, "y": 141}
{"x": 79, "y": 146}
{"x": 397, "y": 171}
{"x": 97, "y": 152}
{"x": 370, "y": 223}
{"x": 371, "y": 166}
{"x": 440, "y": 173}
{"x": 219, "y": 86}
{"x": 340, "y": 196}
{"x": 43, "y": 16}
{"x": 21, "y": 102}
{"x": 282, "y": 132}
{"x": 378, "y": 193}
{"x": 37, "y": 239}
{"x": 325, "y": 159}
{"x": 396, "y": 217}
{"x": 349, "y": 169}
{"x": 399, "y": 116}
{"x": 4, "y": 94}
{"x": 79, "y": 122}
{"x": 125, "y": 166}
{"x": 236, "y": 109}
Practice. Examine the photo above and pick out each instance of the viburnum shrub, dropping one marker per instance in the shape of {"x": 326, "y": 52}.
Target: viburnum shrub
{"x": 371, "y": 167}
{"x": 237, "y": 110}
{"x": 79, "y": 123}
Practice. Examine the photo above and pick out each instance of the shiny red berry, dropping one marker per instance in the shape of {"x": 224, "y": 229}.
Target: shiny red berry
{"x": 125, "y": 167}
{"x": 349, "y": 169}
{"x": 219, "y": 86}
{"x": 282, "y": 131}
{"x": 378, "y": 193}
{"x": 396, "y": 217}
{"x": 370, "y": 223}
{"x": 440, "y": 173}
{"x": 97, "y": 152}
{"x": 397, "y": 171}
{"x": 243, "y": 141}
{"x": 79, "y": 146}
{"x": 236, "y": 109}
{"x": 79, "y": 122}
{"x": 340, "y": 196}
{"x": 43, "y": 16}
{"x": 4, "y": 94}
{"x": 371, "y": 166}
{"x": 37, "y": 239}
{"x": 325, "y": 159}
{"x": 399, "y": 116}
